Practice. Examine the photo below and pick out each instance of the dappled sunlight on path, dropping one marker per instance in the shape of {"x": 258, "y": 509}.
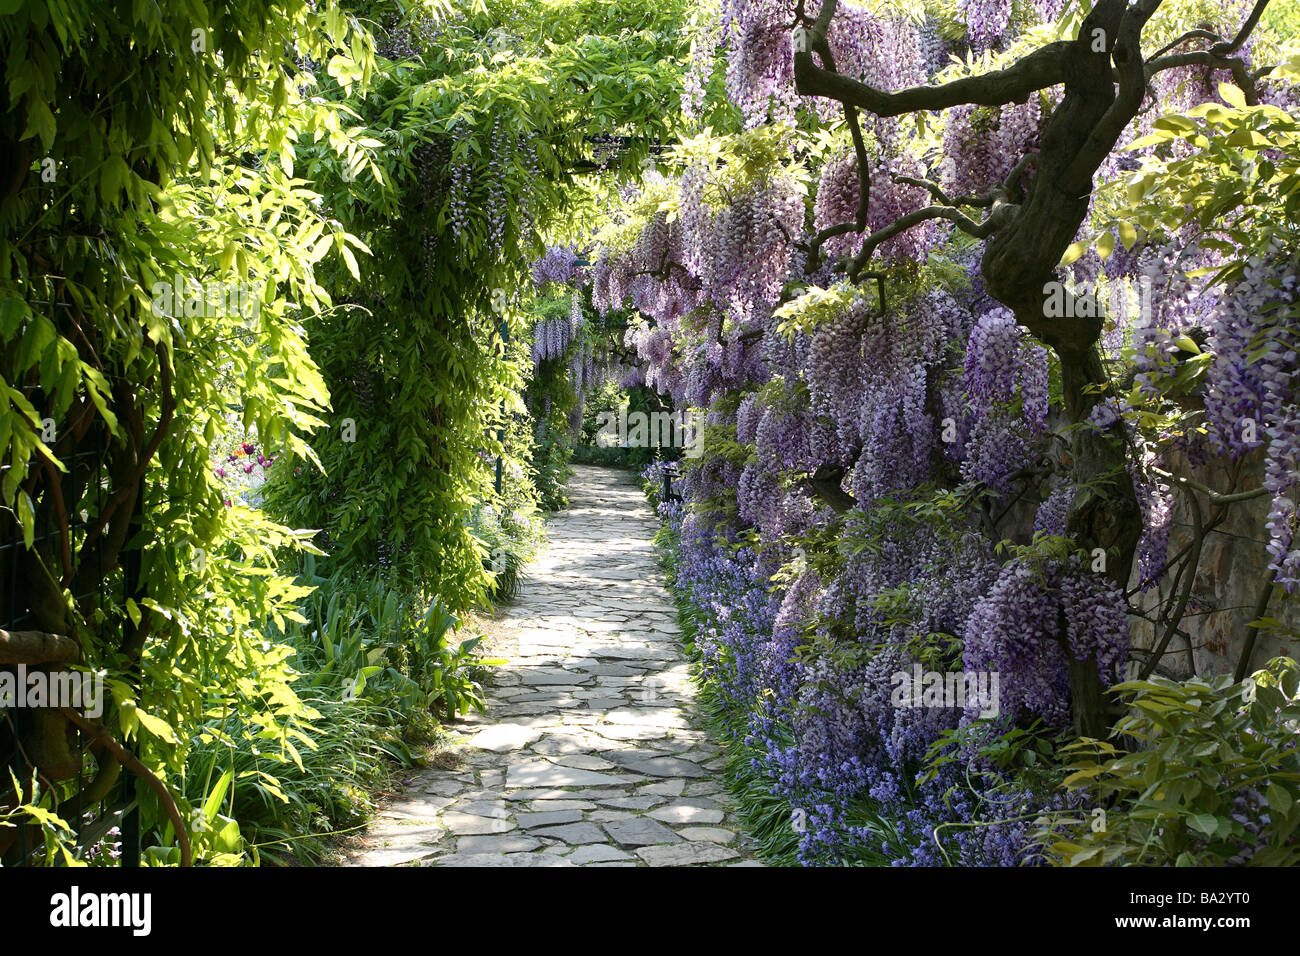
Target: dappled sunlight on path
{"x": 591, "y": 752}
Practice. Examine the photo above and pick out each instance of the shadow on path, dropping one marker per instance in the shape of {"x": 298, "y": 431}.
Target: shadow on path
{"x": 590, "y": 752}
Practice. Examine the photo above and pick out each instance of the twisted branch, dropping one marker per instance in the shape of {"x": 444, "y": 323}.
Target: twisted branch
{"x": 131, "y": 762}
{"x": 1043, "y": 68}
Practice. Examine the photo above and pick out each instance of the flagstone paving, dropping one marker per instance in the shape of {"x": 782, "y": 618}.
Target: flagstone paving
{"x": 591, "y": 752}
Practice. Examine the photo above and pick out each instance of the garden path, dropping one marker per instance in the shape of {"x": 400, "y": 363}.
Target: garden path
{"x": 591, "y": 751}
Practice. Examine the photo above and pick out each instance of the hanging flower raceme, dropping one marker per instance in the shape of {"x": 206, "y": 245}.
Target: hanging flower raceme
{"x": 1003, "y": 365}
{"x": 559, "y": 265}
{"x": 986, "y": 20}
{"x": 1252, "y": 396}
{"x": 837, "y": 201}
{"x": 1016, "y": 630}
{"x": 982, "y": 144}
{"x": 551, "y": 337}
{"x": 760, "y": 58}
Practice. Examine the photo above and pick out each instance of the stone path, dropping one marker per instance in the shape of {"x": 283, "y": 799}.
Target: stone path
{"x": 590, "y": 753}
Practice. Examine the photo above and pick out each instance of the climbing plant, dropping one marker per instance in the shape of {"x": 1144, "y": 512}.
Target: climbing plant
{"x": 291, "y": 228}
{"x": 964, "y": 292}
{"x": 156, "y": 268}
{"x": 943, "y": 405}
{"x": 480, "y": 118}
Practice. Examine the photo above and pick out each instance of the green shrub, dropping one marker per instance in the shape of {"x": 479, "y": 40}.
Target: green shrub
{"x": 1216, "y": 780}
{"x": 376, "y": 669}
{"x": 510, "y": 539}
{"x": 551, "y": 399}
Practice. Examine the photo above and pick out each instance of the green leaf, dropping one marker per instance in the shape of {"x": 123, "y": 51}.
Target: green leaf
{"x": 1232, "y": 95}
{"x": 27, "y": 518}
{"x": 350, "y": 261}
{"x": 1127, "y": 234}
{"x": 157, "y": 726}
{"x": 1278, "y": 798}
{"x": 40, "y": 121}
{"x": 213, "y": 803}
{"x": 226, "y": 837}
{"x": 128, "y": 717}
{"x": 13, "y": 311}
{"x": 1074, "y": 252}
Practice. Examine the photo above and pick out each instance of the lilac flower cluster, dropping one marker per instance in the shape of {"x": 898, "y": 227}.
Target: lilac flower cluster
{"x": 1260, "y": 324}
{"x": 837, "y": 201}
{"x": 746, "y": 252}
{"x": 528, "y": 201}
{"x": 982, "y": 144}
{"x": 496, "y": 203}
{"x": 1235, "y": 389}
{"x": 1156, "y": 499}
{"x": 992, "y": 365}
{"x": 1104, "y": 415}
{"x": 881, "y": 50}
{"x": 1001, "y": 365}
{"x": 889, "y": 200}
{"x": 1051, "y": 514}
{"x": 1250, "y": 395}
{"x": 935, "y": 52}
{"x": 986, "y": 20}
{"x": 1016, "y": 630}
{"x": 1050, "y": 10}
{"x": 760, "y": 58}
{"x": 458, "y": 202}
{"x": 551, "y": 338}
{"x": 558, "y": 264}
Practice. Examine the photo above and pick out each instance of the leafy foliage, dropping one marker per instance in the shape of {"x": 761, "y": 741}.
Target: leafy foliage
{"x": 157, "y": 262}
{"x": 1216, "y": 779}
{"x": 475, "y": 162}
{"x": 304, "y": 163}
